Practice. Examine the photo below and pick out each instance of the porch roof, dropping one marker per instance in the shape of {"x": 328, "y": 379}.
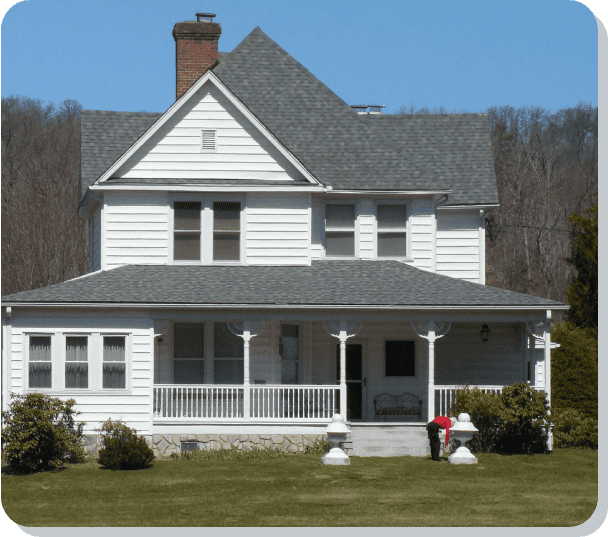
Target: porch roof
{"x": 381, "y": 284}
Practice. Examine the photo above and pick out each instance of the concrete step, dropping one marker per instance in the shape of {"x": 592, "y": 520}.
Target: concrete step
{"x": 387, "y": 440}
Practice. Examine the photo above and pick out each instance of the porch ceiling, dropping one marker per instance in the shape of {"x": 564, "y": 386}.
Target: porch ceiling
{"x": 350, "y": 283}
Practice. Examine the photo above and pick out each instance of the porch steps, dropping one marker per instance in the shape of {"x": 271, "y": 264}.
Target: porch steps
{"x": 388, "y": 440}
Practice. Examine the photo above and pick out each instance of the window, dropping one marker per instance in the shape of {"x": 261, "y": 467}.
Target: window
{"x": 40, "y": 364}
{"x": 114, "y": 365}
{"x": 290, "y": 354}
{"x": 208, "y": 141}
{"x": 340, "y": 230}
{"x": 228, "y": 364}
{"x": 226, "y": 231}
{"x": 392, "y": 231}
{"x": 77, "y": 362}
{"x": 188, "y": 353}
{"x": 187, "y": 231}
{"x": 400, "y": 358}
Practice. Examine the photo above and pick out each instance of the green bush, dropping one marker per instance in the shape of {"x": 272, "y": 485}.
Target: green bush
{"x": 122, "y": 449}
{"x": 514, "y": 421}
{"x": 574, "y": 369}
{"x": 232, "y": 454}
{"x": 573, "y": 429}
{"x": 39, "y": 433}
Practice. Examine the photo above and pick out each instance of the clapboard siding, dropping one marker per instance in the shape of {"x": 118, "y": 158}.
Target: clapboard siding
{"x": 366, "y": 223}
{"x": 421, "y": 225}
{"x": 278, "y": 229}
{"x": 95, "y": 241}
{"x": 137, "y": 229}
{"x": 242, "y": 152}
{"x": 459, "y": 252}
{"x": 132, "y": 405}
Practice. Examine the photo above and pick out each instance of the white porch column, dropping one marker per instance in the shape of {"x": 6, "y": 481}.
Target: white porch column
{"x": 548, "y": 373}
{"x": 343, "y": 403}
{"x": 431, "y": 331}
{"x": 246, "y": 385}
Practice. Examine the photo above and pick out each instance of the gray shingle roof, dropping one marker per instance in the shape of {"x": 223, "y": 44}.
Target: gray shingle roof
{"x": 341, "y": 148}
{"x": 333, "y": 283}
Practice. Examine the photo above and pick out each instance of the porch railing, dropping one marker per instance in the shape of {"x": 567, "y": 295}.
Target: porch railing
{"x": 300, "y": 403}
{"x": 198, "y": 402}
{"x": 445, "y": 396}
{"x": 294, "y": 402}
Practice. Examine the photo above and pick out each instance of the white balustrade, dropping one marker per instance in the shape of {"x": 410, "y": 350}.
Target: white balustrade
{"x": 299, "y": 403}
{"x": 445, "y": 395}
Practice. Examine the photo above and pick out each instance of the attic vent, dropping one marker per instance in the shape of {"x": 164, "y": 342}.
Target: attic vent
{"x": 208, "y": 142}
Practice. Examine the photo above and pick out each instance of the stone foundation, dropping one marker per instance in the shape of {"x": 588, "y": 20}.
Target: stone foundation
{"x": 165, "y": 444}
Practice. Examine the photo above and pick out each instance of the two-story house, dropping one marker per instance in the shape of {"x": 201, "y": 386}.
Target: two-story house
{"x": 264, "y": 255}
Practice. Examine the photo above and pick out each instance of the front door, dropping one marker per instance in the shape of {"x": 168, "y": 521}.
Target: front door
{"x": 354, "y": 379}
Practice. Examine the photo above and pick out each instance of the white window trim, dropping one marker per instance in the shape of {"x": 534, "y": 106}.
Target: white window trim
{"x": 355, "y": 204}
{"x": 26, "y": 363}
{"x": 406, "y": 230}
{"x": 416, "y": 369}
{"x": 206, "y": 243}
{"x": 128, "y": 362}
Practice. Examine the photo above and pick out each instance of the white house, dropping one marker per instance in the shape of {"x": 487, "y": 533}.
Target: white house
{"x": 263, "y": 255}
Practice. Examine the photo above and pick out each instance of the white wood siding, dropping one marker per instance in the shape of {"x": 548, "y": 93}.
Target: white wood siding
{"x": 132, "y": 405}
{"x": 278, "y": 230}
{"x": 242, "y": 152}
{"x": 136, "y": 229}
{"x": 366, "y": 222}
{"x": 458, "y": 245}
{"x": 421, "y": 225}
{"x": 95, "y": 241}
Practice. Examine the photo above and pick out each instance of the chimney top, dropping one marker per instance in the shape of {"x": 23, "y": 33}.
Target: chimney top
{"x": 201, "y": 17}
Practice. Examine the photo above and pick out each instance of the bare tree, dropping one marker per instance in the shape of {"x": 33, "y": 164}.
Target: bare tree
{"x": 43, "y": 240}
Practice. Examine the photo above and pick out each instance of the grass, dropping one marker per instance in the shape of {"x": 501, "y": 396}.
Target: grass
{"x": 297, "y": 490}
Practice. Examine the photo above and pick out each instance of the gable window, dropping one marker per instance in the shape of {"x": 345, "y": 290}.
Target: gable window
{"x": 187, "y": 231}
{"x": 188, "y": 353}
{"x": 392, "y": 230}
{"x": 228, "y": 365}
{"x": 114, "y": 364}
{"x": 208, "y": 141}
{"x": 339, "y": 230}
{"x": 226, "y": 231}
{"x": 400, "y": 358}
{"x": 40, "y": 365}
{"x": 77, "y": 362}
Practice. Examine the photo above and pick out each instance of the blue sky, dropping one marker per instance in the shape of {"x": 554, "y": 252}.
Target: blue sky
{"x": 464, "y": 55}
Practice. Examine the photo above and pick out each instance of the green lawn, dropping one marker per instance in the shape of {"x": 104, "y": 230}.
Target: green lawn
{"x": 556, "y": 490}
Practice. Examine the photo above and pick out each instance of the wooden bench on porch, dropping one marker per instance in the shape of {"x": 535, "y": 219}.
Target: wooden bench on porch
{"x": 405, "y": 404}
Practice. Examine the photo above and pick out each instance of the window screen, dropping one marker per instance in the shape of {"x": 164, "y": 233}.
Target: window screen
{"x": 400, "y": 358}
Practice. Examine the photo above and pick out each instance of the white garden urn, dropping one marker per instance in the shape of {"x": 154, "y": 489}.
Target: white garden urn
{"x": 463, "y": 430}
{"x": 336, "y": 433}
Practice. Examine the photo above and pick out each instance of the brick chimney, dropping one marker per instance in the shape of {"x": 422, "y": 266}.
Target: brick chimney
{"x": 195, "y": 50}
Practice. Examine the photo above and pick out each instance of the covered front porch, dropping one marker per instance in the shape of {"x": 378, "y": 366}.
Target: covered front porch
{"x": 303, "y": 371}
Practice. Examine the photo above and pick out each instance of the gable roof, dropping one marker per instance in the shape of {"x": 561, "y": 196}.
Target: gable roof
{"x": 341, "y": 148}
{"x": 353, "y": 283}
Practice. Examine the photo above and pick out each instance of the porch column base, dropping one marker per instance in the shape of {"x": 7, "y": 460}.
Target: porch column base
{"x": 462, "y": 458}
{"x": 336, "y": 457}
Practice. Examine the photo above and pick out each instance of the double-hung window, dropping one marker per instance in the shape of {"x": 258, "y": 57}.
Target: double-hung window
{"x": 76, "y": 362}
{"x": 187, "y": 231}
{"x": 114, "y": 363}
{"x": 40, "y": 367}
{"x": 226, "y": 231}
{"x": 290, "y": 354}
{"x": 392, "y": 230}
{"x": 228, "y": 365}
{"x": 340, "y": 230}
{"x": 188, "y": 353}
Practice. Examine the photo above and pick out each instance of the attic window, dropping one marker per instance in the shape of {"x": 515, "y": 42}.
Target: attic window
{"x": 208, "y": 141}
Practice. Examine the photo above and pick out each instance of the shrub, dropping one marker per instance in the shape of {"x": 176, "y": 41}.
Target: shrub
{"x": 232, "y": 454}
{"x": 574, "y": 369}
{"x": 573, "y": 429}
{"x": 514, "y": 421}
{"x": 319, "y": 447}
{"x": 122, "y": 449}
{"x": 39, "y": 433}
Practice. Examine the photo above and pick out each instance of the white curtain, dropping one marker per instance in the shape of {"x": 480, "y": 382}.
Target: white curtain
{"x": 76, "y": 374}
{"x": 114, "y": 362}
{"x": 40, "y": 374}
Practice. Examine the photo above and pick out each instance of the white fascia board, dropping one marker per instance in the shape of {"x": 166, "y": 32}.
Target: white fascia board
{"x": 389, "y": 192}
{"x": 460, "y": 207}
{"x": 207, "y": 77}
{"x": 377, "y": 307}
{"x": 210, "y": 188}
